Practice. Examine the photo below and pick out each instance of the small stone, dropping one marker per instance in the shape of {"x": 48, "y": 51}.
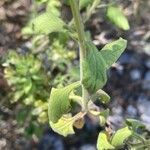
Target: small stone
{"x": 88, "y": 147}
{"x": 117, "y": 110}
{"x": 147, "y": 63}
{"x": 147, "y": 76}
{"x": 146, "y": 48}
{"x": 143, "y": 106}
{"x": 2, "y": 143}
{"x": 132, "y": 111}
{"x": 135, "y": 74}
{"x": 116, "y": 120}
{"x": 146, "y": 82}
{"x": 127, "y": 58}
{"x": 50, "y": 142}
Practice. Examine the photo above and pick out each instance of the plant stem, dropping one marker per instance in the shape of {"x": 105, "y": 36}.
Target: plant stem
{"x": 81, "y": 37}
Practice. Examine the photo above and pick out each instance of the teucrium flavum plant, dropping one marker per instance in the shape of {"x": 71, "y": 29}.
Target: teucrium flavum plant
{"x": 94, "y": 64}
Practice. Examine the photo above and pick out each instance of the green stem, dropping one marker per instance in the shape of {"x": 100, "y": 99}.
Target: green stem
{"x": 81, "y": 36}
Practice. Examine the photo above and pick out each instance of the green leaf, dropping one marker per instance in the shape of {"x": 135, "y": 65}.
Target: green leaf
{"x": 41, "y": 1}
{"x": 59, "y": 102}
{"x": 103, "y": 143}
{"x": 27, "y": 86}
{"x": 47, "y": 23}
{"x": 112, "y": 51}
{"x": 103, "y": 96}
{"x": 103, "y": 117}
{"x": 64, "y": 126}
{"x": 97, "y": 62}
{"x": 85, "y": 3}
{"x": 94, "y": 69}
{"x": 134, "y": 124}
{"x": 53, "y": 6}
{"x": 115, "y": 14}
{"x": 120, "y": 136}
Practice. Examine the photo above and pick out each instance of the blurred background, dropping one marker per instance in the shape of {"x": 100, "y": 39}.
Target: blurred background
{"x": 31, "y": 63}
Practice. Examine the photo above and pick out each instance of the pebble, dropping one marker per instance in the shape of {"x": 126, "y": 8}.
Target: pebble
{"x": 88, "y": 147}
{"x": 143, "y": 105}
{"x": 117, "y": 110}
{"x": 147, "y": 48}
{"x": 2, "y": 143}
{"x": 147, "y": 63}
{"x": 116, "y": 120}
{"x": 50, "y": 142}
{"x": 147, "y": 76}
{"x": 127, "y": 58}
{"x": 146, "y": 83}
{"x": 135, "y": 74}
{"x": 132, "y": 111}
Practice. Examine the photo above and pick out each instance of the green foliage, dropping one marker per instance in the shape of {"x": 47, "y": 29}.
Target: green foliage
{"x": 53, "y": 6}
{"x": 84, "y": 3}
{"x": 59, "y": 102}
{"x": 103, "y": 142}
{"x": 120, "y": 136}
{"x": 26, "y": 76}
{"x": 64, "y": 126}
{"x": 103, "y": 117}
{"x": 97, "y": 62}
{"x": 31, "y": 80}
{"x": 47, "y": 23}
{"x": 115, "y": 14}
{"x": 94, "y": 70}
{"x": 112, "y": 51}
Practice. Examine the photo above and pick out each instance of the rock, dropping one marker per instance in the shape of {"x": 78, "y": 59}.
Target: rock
{"x": 147, "y": 76}
{"x": 117, "y": 110}
{"x": 146, "y": 82}
{"x": 131, "y": 111}
{"x": 2, "y": 143}
{"x": 116, "y": 121}
{"x": 50, "y": 142}
{"x": 88, "y": 147}
{"x": 147, "y": 63}
{"x": 127, "y": 58}
{"x": 147, "y": 48}
{"x": 143, "y": 105}
{"x": 135, "y": 74}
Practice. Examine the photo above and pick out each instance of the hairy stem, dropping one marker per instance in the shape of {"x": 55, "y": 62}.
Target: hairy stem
{"x": 81, "y": 37}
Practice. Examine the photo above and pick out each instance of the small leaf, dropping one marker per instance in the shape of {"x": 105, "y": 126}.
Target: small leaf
{"x": 103, "y": 142}
{"x": 27, "y": 86}
{"x": 120, "y": 136}
{"x": 47, "y": 23}
{"x": 17, "y": 95}
{"x": 29, "y": 100}
{"x": 102, "y": 95}
{"x": 115, "y": 14}
{"x": 134, "y": 124}
{"x": 112, "y": 51}
{"x": 59, "y": 102}
{"x": 103, "y": 117}
{"x": 85, "y": 3}
{"x": 64, "y": 126}
{"x": 53, "y": 6}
